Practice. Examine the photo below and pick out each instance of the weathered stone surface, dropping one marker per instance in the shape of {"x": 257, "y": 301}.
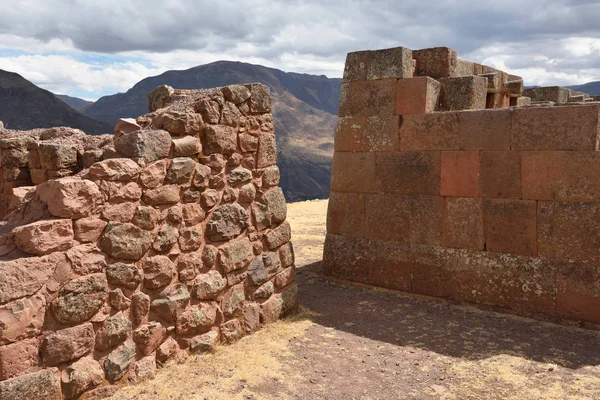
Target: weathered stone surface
{"x": 410, "y": 173}
{"x": 239, "y": 176}
{"x": 417, "y": 95}
{"x": 248, "y": 143}
{"x": 181, "y": 171}
{"x": 227, "y": 222}
{"x": 463, "y": 224}
{"x": 209, "y": 110}
{"x": 186, "y": 146}
{"x": 285, "y": 278}
{"x": 235, "y": 255}
{"x": 115, "y": 169}
{"x": 219, "y": 139}
{"x": 151, "y": 145}
{"x": 81, "y": 376}
{"x": 286, "y": 254}
{"x": 179, "y": 122}
{"x": 146, "y": 217}
{"x": 25, "y": 276}
{"x": 232, "y": 331}
{"x": 43, "y": 237}
{"x": 270, "y": 209}
{"x": 171, "y": 302}
{"x": 37, "y": 385}
{"x": 119, "y": 360}
{"x": 205, "y": 343}
{"x": 208, "y": 286}
{"x": 166, "y": 237}
{"x": 118, "y": 300}
{"x": 279, "y": 236}
{"x": 192, "y": 214}
{"x": 247, "y": 193}
{"x": 114, "y": 331}
{"x": 510, "y": 226}
{"x": 140, "y": 306}
{"x": 118, "y": 192}
{"x": 21, "y": 318}
{"x": 260, "y": 100}
{"x": 236, "y": 93}
{"x": 159, "y": 97}
{"x": 500, "y": 174}
{"x": 126, "y": 125}
{"x": 210, "y": 198}
{"x": 125, "y": 241}
{"x": 168, "y": 194}
{"x": 188, "y": 265}
{"x": 201, "y": 176}
{"x": 19, "y": 358}
{"x": 154, "y": 174}
{"x": 86, "y": 259}
{"x": 124, "y": 275}
{"x": 67, "y": 344}
{"x": 87, "y": 230}
{"x": 267, "y": 150}
{"x": 251, "y": 317}
{"x": 158, "y": 272}
{"x": 166, "y": 350}
{"x": 56, "y": 156}
{"x": 264, "y": 292}
{"x": 459, "y": 173}
{"x": 190, "y": 238}
{"x": 230, "y": 115}
{"x": 149, "y": 336}
{"x": 143, "y": 369}
{"x": 80, "y": 299}
{"x": 197, "y": 319}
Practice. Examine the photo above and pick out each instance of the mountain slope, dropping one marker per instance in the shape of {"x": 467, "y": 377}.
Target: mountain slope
{"x": 75, "y": 102}
{"x": 591, "y": 88}
{"x": 26, "y": 106}
{"x": 304, "y": 110}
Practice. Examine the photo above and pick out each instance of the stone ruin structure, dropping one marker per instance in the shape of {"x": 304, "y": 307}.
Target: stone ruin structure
{"x": 447, "y": 182}
{"x": 118, "y": 253}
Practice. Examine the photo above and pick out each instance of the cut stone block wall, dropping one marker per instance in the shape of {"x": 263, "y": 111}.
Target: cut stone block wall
{"x": 119, "y": 253}
{"x": 498, "y": 207}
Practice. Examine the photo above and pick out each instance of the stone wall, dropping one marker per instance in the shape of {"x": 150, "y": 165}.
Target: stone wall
{"x": 440, "y": 192}
{"x": 119, "y": 253}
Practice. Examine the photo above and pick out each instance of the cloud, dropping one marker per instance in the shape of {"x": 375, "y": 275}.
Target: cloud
{"x": 546, "y": 41}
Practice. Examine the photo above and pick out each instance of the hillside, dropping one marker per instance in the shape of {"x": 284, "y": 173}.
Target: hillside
{"x": 75, "y": 102}
{"x": 591, "y": 88}
{"x": 26, "y": 106}
{"x": 304, "y": 109}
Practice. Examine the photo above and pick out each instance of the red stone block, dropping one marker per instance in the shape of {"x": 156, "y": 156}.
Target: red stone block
{"x": 19, "y": 358}
{"x": 381, "y": 133}
{"x": 410, "y": 172}
{"x": 387, "y": 217}
{"x": 376, "y": 97}
{"x": 578, "y": 292}
{"x": 389, "y": 265}
{"x": 353, "y": 172}
{"x": 436, "y": 62}
{"x": 356, "y": 65}
{"x": 417, "y": 95}
{"x": 345, "y": 258}
{"x": 463, "y": 93}
{"x": 510, "y": 226}
{"x": 485, "y": 129}
{"x": 390, "y": 63}
{"x": 349, "y": 134}
{"x": 463, "y": 224}
{"x": 433, "y": 271}
{"x": 460, "y": 173}
{"x": 555, "y": 128}
{"x": 500, "y": 174}
{"x": 430, "y": 131}
{"x": 426, "y": 219}
{"x": 569, "y": 231}
{"x": 464, "y": 67}
{"x": 346, "y": 214}
{"x": 561, "y": 175}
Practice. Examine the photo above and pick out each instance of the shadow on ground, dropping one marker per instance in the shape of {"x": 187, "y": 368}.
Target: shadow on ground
{"x": 447, "y": 329}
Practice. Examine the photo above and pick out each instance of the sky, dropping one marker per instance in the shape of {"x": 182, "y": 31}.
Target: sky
{"x": 89, "y": 49}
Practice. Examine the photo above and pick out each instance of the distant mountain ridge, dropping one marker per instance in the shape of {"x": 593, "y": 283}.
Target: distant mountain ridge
{"x": 25, "y": 106}
{"x": 75, "y": 102}
{"x": 591, "y": 88}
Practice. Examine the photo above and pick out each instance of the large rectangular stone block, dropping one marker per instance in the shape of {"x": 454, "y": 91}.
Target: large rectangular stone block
{"x": 500, "y": 174}
{"x": 464, "y": 67}
{"x": 390, "y": 63}
{"x": 460, "y": 173}
{"x": 555, "y": 128}
{"x": 463, "y": 93}
{"x": 353, "y": 172}
{"x": 561, "y": 175}
{"x": 349, "y": 134}
{"x": 345, "y": 258}
{"x": 381, "y": 133}
{"x": 417, "y": 95}
{"x": 409, "y": 172}
{"x": 578, "y": 291}
{"x": 510, "y": 226}
{"x": 436, "y": 62}
{"x": 346, "y": 214}
{"x": 376, "y": 97}
{"x": 556, "y": 94}
{"x": 387, "y": 217}
{"x": 430, "y": 131}
{"x": 434, "y": 271}
{"x": 389, "y": 265}
{"x": 463, "y": 224}
{"x": 569, "y": 231}
{"x": 485, "y": 129}
{"x": 426, "y": 219}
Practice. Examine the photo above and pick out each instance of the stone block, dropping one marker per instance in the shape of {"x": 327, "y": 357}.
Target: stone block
{"x": 25, "y": 276}
{"x": 22, "y": 318}
{"x": 260, "y": 98}
{"x": 556, "y": 94}
{"x": 381, "y": 133}
{"x": 432, "y": 271}
{"x": 463, "y": 93}
{"x": 410, "y": 172}
{"x": 500, "y": 174}
{"x": 578, "y": 291}
{"x": 345, "y": 258}
{"x": 364, "y": 98}
{"x": 426, "y": 219}
{"x": 56, "y": 156}
{"x": 218, "y": 139}
{"x": 387, "y": 217}
{"x": 389, "y": 265}
{"x": 463, "y": 224}
{"x": 357, "y": 64}
{"x": 19, "y": 358}
{"x": 278, "y": 236}
{"x": 346, "y": 214}
{"x": 555, "y": 128}
{"x": 44, "y": 237}
{"x": 485, "y": 129}
{"x": 70, "y": 197}
{"x": 510, "y": 226}
{"x": 353, "y": 172}
{"x": 43, "y": 384}
{"x": 430, "y": 131}
{"x": 436, "y": 62}
{"x": 390, "y": 63}
{"x": 67, "y": 344}
{"x": 460, "y": 173}
{"x": 417, "y": 95}
{"x": 151, "y": 145}
{"x": 568, "y": 231}
{"x": 115, "y": 169}
{"x": 561, "y": 175}
{"x": 464, "y": 67}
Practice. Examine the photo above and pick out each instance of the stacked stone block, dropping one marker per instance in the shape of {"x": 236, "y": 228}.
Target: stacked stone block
{"x": 171, "y": 239}
{"x": 497, "y": 207}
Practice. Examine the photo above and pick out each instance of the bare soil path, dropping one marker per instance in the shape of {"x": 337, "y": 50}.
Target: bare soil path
{"x": 356, "y": 343}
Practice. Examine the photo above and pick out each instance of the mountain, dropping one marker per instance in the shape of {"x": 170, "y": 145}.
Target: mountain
{"x": 591, "y": 88}
{"x": 26, "y": 106}
{"x": 304, "y": 110}
{"x": 75, "y": 102}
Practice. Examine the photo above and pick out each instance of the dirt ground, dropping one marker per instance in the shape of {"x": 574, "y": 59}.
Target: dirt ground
{"x": 356, "y": 343}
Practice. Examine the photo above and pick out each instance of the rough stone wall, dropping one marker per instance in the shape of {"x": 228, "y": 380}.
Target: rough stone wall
{"x": 135, "y": 249}
{"x": 497, "y": 207}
